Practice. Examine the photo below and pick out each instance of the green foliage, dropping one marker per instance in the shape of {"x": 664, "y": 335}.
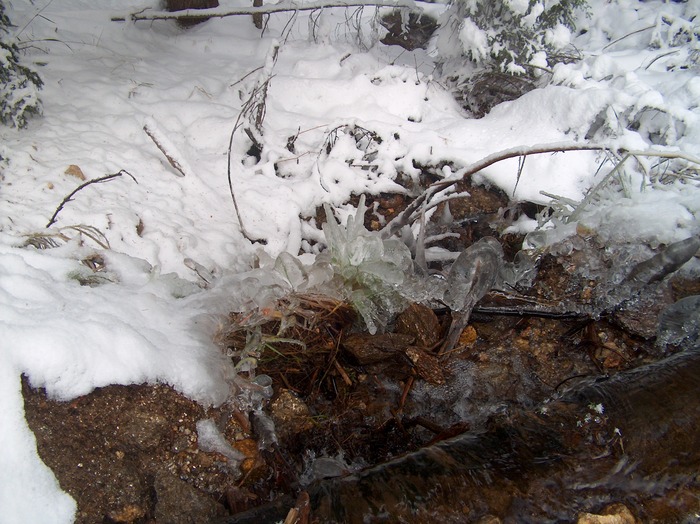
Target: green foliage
{"x": 19, "y": 85}
{"x": 506, "y": 35}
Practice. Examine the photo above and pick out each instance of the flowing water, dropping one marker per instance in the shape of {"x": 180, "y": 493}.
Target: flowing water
{"x": 632, "y": 438}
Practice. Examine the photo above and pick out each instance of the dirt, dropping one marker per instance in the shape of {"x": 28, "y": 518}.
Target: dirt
{"x": 130, "y": 453}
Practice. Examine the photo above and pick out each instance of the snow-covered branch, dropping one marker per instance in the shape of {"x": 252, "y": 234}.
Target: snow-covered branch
{"x": 405, "y": 217}
{"x": 266, "y": 9}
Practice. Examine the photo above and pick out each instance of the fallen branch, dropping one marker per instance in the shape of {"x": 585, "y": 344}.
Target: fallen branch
{"x": 105, "y": 178}
{"x": 405, "y": 217}
{"x": 266, "y": 9}
{"x": 162, "y": 143}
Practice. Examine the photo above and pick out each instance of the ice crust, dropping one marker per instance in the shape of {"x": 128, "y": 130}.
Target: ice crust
{"x": 210, "y": 438}
{"x": 679, "y": 323}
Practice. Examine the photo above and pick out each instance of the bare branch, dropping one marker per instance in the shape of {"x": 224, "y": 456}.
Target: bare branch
{"x": 266, "y": 9}
{"x": 405, "y": 217}
{"x": 68, "y": 198}
{"x": 158, "y": 141}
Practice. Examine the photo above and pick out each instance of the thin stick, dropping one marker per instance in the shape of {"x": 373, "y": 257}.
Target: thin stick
{"x": 171, "y": 160}
{"x": 404, "y": 218}
{"x": 266, "y": 9}
{"x": 105, "y": 178}
{"x": 628, "y": 35}
{"x": 343, "y": 373}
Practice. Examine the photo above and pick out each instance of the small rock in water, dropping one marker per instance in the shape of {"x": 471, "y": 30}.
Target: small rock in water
{"x": 290, "y": 414}
{"x": 420, "y": 322}
{"x": 371, "y": 349}
{"x": 614, "y": 514}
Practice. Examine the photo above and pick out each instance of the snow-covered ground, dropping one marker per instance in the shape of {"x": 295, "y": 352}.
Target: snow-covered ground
{"x": 145, "y": 318}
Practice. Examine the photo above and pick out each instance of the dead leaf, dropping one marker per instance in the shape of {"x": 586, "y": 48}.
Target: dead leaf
{"x": 75, "y": 171}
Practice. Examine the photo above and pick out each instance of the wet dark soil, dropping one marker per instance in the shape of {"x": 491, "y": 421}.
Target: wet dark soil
{"x": 130, "y": 453}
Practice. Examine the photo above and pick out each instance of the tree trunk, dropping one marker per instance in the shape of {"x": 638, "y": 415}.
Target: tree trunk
{"x": 258, "y": 18}
{"x": 181, "y": 5}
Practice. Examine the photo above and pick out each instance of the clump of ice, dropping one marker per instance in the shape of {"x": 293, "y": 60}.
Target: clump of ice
{"x": 370, "y": 271}
{"x": 211, "y": 439}
{"x": 679, "y": 323}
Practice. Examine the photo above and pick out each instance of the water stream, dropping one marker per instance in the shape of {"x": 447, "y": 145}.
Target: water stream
{"x": 631, "y": 438}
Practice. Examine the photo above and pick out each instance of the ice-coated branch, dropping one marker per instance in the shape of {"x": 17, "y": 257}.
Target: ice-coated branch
{"x": 407, "y": 215}
{"x": 266, "y": 9}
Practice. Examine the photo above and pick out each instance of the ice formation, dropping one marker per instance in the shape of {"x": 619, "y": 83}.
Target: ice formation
{"x": 210, "y": 438}
{"x": 679, "y": 323}
{"x": 369, "y": 271}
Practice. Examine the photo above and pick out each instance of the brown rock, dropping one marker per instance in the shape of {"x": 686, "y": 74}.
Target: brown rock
{"x": 613, "y": 514}
{"x": 420, "y": 322}
{"x": 290, "y": 414}
{"x": 371, "y": 349}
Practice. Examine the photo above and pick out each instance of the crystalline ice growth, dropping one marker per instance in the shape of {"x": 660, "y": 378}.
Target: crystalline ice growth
{"x": 473, "y": 274}
{"x": 679, "y": 323}
{"x": 210, "y": 439}
{"x": 371, "y": 271}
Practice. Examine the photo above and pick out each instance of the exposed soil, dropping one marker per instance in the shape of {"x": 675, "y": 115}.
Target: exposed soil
{"x": 130, "y": 453}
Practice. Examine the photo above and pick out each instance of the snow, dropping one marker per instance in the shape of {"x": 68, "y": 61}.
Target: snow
{"x": 145, "y": 318}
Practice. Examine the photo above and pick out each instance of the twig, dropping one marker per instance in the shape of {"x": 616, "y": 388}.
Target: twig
{"x": 158, "y": 141}
{"x": 254, "y": 111}
{"x": 266, "y": 9}
{"x": 405, "y": 217}
{"x": 628, "y": 35}
{"x": 105, "y": 178}
{"x": 659, "y": 57}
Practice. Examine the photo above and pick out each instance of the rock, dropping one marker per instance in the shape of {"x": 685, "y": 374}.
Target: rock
{"x": 371, "y": 349}
{"x": 420, "y": 322}
{"x": 179, "y": 503}
{"x": 613, "y": 514}
{"x": 426, "y": 365}
{"x": 128, "y": 513}
{"x": 290, "y": 414}
{"x": 145, "y": 428}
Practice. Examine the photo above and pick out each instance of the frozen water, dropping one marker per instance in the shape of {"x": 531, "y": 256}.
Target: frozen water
{"x": 210, "y": 438}
{"x": 264, "y": 428}
{"x": 473, "y": 274}
{"x": 679, "y": 323}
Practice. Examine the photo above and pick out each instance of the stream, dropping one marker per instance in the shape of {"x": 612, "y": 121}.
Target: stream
{"x": 601, "y": 441}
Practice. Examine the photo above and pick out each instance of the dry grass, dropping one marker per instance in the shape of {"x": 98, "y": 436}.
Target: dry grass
{"x": 295, "y": 342}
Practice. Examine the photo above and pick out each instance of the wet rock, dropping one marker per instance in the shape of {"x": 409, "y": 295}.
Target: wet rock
{"x": 640, "y": 316}
{"x": 252, "y": 467}
{"x": 290, "y": 414}
{"x": 426, "y": 365}
{"x": 371, "y": 349}
{"x": 614, "y": 514}
{"x": 420, "y": 322}
{"x": 180, "y": 503}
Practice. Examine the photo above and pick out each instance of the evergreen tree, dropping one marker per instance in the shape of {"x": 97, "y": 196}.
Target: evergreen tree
{"x": 19, "y": 85}
{"x": 506, "y": 35}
